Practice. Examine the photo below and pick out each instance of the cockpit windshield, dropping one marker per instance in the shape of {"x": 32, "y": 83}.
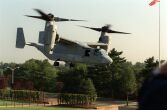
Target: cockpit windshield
{"x": 99, "y": 52}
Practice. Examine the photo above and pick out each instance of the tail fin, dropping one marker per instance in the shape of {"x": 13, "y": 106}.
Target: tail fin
{"x": 41, "y": 37}
{"x": 20, "y": 40}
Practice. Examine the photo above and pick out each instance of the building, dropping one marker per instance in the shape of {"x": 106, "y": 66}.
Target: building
{"x": 3, "y": 82}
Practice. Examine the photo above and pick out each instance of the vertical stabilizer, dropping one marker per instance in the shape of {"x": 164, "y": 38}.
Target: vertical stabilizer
{"x": 41, "y": 37}
{"x": 20, "y": 40}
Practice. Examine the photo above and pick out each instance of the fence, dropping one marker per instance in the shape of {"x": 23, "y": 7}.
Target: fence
{"x": 27, "y": 98}
{"x": 23, "y": 98}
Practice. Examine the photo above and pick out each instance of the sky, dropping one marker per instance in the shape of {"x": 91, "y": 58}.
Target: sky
{"x": 133, "y": 16}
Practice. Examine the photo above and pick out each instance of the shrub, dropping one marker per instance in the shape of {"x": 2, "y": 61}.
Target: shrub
{"x": 22, "y": 95}
{"x": 76, "y": 99}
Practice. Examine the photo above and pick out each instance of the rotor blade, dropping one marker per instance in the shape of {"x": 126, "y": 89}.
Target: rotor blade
{"x": 38, "y": 17}
{"x": 44, "y": 16}
{"x": 40, "y": 12}
{"x": 57, "y": 19}
{"x": 117, "y": 32}
{"x": 95, "y": 29}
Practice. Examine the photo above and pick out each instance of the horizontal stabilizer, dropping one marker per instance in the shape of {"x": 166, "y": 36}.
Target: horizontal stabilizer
{"x": 20, "y": 40}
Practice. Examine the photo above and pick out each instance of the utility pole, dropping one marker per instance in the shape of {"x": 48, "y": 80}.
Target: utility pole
{"x": 13, "y": 69}
{"x": 159, "y": 35}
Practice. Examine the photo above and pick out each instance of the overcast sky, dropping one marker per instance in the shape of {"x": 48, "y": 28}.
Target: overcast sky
{"x": 133, "y": 16}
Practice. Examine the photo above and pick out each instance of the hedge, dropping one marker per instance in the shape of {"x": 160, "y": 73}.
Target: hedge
{"x": 76, "y": 99}
{"x": 21, "y": 95}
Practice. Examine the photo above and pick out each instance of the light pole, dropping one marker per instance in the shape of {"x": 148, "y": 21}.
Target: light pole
{"x": 13, "y": 69}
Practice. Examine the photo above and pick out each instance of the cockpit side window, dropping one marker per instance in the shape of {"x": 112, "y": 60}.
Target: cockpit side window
{"x": 87, "y": 53}
{"x": 96, "y": 52}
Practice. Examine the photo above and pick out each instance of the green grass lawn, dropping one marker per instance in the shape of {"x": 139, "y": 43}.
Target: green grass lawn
{"x": 40, "y": 108}
{"x": 43, "y": 108}
{"x": 8, "y": 103}
{"x": 132, "y": 106}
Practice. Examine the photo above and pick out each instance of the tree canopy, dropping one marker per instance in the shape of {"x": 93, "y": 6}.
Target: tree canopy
{"x": 76, "y": 81}
{"x": 41, "y": 73}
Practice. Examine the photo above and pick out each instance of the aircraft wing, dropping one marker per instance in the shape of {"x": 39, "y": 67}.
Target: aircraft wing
{"x": 95, "y": 45}
{"x": 72, "y": 43}
{"x": 67, "y": 42}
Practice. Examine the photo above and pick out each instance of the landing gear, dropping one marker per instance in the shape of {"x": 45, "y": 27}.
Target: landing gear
{"x": 59, "y": 63}
{"x": 56, "y": 63}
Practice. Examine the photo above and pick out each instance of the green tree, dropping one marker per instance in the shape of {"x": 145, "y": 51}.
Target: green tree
{"x": 128, "y": 80}
{"x": 117, "y": 80}
{"x": 138, "y": 68}
{"x": 87, "y": 87}
{"x": 76, "y": 81}
{"x": 106, "y": 78}
{"x": 1, "y": 69}
{"x": 115, "y": 70}
{"x": 149, "y": 65}
{"x": 41, "y": 73}
{"x": 101, "y": 78}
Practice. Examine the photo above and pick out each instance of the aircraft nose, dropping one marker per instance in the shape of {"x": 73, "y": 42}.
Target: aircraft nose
{"x": 108, "y": 60}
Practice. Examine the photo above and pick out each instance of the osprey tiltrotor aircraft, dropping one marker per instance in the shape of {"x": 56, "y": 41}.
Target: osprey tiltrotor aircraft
{"x": 59, "y": 49}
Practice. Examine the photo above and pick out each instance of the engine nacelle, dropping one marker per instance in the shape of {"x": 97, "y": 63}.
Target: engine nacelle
{"x": 106, "y": 40}
{"x": 48, "y": 37}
